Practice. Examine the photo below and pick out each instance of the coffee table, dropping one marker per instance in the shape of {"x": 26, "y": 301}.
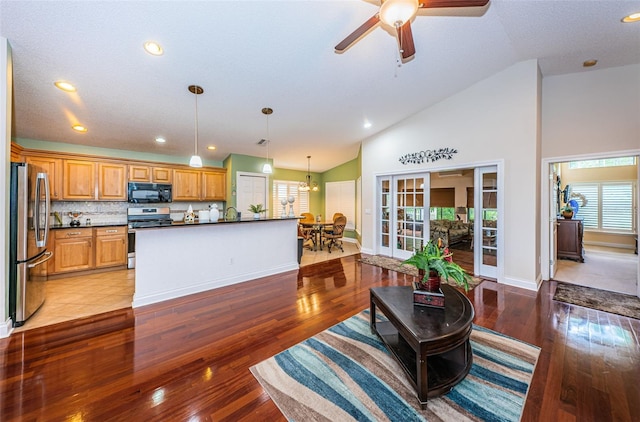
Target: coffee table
{"x": 430, "y": 344}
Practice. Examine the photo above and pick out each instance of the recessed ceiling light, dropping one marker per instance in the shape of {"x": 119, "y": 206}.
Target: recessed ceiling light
{"x": 211, "y": 147}
{"x": 153, "y": 48}
{"x": 65, "y": 86}
{"x": 589, "y": 63}
{"x": 79, "y": 128}
{"x": 160, "y": 140}
{"x": 634, "y": 17}
{"x": 367, "y": 124}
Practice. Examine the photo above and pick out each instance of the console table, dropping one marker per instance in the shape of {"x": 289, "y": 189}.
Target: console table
{"x": 430, "y": 344}
{"x": 569, "y": 238}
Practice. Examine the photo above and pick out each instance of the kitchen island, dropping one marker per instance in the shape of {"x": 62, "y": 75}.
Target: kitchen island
{"x": 183, "y": 259}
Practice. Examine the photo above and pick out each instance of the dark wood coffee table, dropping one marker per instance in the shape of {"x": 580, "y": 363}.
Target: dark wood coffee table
{"x": 432, "y": 345}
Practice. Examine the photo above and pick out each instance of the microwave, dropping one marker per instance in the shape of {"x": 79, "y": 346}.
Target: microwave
{"x": 146, "y": 193}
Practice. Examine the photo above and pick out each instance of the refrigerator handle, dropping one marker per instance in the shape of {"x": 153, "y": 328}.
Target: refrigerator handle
{"x": 47, "y": 256}
{"x": 42, "y": 241}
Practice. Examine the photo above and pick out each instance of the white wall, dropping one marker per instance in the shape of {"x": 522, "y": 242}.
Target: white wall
{"x": 493, "y": 121}
{"x": 591, "y": 112}
{"x": 5, "y": 157}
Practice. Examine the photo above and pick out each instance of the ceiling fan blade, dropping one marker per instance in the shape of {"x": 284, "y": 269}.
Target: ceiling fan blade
{"x": 405, "y": 39}
{"x": 434, "y": 4}
{"x": 358, "y": 33}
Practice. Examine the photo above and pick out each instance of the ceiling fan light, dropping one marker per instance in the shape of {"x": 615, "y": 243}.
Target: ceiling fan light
{"x": 394, "y": 12}
{"x": 195, "y": 161}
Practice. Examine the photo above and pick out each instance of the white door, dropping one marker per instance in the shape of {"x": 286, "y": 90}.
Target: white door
{"x": 486, "y": 234}
{"x": 251, "y": 190}
{"x": 554, "y": 207}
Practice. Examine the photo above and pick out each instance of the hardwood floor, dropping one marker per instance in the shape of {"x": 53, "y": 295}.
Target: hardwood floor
{"x": 188, "y": 359}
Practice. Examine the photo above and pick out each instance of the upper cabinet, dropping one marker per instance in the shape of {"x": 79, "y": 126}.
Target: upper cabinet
{"x": 75, "y": 177}
{"x": 152, "y": 174}
{"x": 79, "y": 180}
{"x": 214, "y": 185}
{"x": 53, "y": 167}
{"x": 187, "y": 185}
{"x": 112, "y": 182}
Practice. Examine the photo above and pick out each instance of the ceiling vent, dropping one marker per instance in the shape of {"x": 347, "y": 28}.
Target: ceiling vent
{"x": 262, "y": 142}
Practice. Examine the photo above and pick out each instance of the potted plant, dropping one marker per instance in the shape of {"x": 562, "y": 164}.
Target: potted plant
{"x": 257, "y": 210}
{"x": 567, "y": 212}
{"x": 436, "y": 262}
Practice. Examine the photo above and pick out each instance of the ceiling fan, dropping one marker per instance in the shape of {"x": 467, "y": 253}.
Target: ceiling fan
{"x": 398, "y": 15}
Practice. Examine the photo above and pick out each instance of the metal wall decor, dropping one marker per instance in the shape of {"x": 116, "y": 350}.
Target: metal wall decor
{"x": 428, "y": 156}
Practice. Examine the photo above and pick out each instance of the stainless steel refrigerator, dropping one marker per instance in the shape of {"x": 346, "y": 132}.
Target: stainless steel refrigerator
{"x": 28, "y": 234}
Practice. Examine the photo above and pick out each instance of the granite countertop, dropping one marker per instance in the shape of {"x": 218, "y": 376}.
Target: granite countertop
{"x": 82, "y": 226}
{"x": 204, "y": 223}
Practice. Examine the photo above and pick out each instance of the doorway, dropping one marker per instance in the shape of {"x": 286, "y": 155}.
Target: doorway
{"x": 602, "y": 192}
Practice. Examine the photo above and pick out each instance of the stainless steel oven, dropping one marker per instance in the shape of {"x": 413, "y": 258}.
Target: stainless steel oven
{"x": 143, "y": 217}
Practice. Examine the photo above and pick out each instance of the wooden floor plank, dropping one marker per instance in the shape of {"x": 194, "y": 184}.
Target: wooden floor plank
{"x": 189, "y": 359}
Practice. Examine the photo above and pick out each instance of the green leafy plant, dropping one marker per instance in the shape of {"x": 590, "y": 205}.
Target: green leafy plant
{"x": 434, "y": 257}
{"x": 566, "y": 208}
{"x": 257, "y": 209}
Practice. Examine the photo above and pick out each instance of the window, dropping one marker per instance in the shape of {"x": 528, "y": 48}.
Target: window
{"x": 442, "y": 213}
{"x": 282, "y": 189}
{"x": 609, "y": 205}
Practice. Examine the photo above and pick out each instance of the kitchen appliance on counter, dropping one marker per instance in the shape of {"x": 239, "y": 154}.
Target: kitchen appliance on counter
{"x": 143, "y": 217}
{"x": 149, "y": 193}
{"x": 28, "y": 235}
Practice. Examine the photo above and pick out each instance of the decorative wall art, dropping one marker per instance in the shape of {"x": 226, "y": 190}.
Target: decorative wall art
{"x": 428, "y": 156}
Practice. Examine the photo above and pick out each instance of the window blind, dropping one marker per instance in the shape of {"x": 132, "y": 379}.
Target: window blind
{"x": 609, "y": 205}
{"x": 282, "y": 189}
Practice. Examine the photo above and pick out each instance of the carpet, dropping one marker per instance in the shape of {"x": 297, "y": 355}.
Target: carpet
{"x": 397, "y": 265}
{"x": 346, "y": 374}
{"x": 602, "y": 300}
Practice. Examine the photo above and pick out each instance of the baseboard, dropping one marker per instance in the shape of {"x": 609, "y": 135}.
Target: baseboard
{"x": 6, "y": 328}
{"x": 523, "y": 284}
{"x": 367, "y": 251}
{"x": 610, "y": 245}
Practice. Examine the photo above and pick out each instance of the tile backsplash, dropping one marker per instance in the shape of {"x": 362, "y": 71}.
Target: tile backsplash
{"x": 116, "y": 212}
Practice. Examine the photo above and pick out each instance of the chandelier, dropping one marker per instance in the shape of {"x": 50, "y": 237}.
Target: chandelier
{"x": 307, "y": 185}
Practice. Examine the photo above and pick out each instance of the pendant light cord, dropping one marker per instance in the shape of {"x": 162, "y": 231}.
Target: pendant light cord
{"x": 195, "y": 152}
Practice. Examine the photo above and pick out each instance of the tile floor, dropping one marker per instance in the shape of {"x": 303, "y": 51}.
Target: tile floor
{"x": 80, "y": 296}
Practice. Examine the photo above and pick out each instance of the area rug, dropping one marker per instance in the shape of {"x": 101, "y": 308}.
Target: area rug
{"x": 397, "y": 265}
{"x": 602, "y": 300}
{"x": 346, "y": 374}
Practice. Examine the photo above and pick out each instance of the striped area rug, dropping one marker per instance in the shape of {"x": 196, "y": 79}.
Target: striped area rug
{"x": 346, "y": 374}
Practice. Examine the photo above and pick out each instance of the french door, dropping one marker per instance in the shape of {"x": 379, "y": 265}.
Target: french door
{"x": 403, "y": 214}
{"x": 486, "y": 234}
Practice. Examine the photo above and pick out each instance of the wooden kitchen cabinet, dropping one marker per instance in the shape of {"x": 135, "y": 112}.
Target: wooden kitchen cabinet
{"x": 213, "y": 186}
{"x": 151, "y": 174}
{"x": 112, "y": 182}
{"x": 187, "y": 185}
{"x": 53, "y": 167}
{"x": 79, "y": 180}
{"x": 73, "y": 250}
{"x": 569, "y": 235}
{"x": 111, "y": 246}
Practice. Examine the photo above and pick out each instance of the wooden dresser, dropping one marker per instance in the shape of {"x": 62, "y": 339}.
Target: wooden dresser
{"x": 570, "y": 239}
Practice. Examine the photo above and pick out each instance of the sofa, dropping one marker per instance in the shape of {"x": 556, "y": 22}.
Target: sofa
{"x": 450, "y": 231}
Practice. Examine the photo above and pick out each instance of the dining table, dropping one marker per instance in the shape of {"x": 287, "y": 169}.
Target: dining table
{"x": 317, "y": 229}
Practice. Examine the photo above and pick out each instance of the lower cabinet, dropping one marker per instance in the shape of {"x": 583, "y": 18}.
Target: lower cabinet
{"x": 87, "y": 248}
{"x": 111, "y": 246}
{"x": 570, "y": 239}
{"x": 73, "y": 250}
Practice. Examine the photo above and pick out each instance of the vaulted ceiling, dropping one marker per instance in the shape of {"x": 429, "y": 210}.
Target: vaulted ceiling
{"x": 280, "y": 54}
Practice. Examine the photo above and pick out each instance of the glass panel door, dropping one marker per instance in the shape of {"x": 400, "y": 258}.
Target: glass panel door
{"x": 410, "y": 214}
{"x": 384, "y": 217}
{"x": 488, "y": 215}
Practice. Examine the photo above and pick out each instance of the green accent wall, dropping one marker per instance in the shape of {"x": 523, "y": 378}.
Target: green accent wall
{"x": 108, "y": 152}
{"x": 316, "y": 199}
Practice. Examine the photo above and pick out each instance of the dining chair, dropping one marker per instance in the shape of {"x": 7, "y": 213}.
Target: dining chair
{"x": 308, "y": 218}
{"x": 308, "y": 236}
{"x": 334, "y": 238}
{"x": 329, "y": 229}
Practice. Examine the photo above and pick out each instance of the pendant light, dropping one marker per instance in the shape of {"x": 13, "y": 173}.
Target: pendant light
{"x": 195, "y": 160}
{"x": 267, "y": 166}
{"x": 306, "y": 186}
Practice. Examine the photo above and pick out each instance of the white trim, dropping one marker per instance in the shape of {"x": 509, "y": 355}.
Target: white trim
{"x": 524, "y": 284}
{"x": 610, "y": 245}
{"x": 6, "y": 328}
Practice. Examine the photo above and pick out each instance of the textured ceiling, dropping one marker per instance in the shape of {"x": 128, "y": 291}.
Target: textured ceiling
{"x": 251, "y": 54}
